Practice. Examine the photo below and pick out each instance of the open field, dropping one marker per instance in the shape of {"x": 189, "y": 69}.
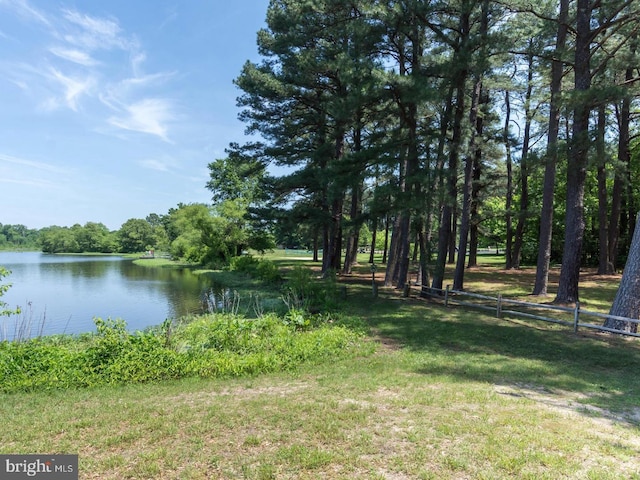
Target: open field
{"x": 450, "y": 394}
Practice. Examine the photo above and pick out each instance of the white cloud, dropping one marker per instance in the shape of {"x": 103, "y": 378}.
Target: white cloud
{"x": 29, "y": 173}
{"x": 150, "y": 116}
{"x": 40, "y": 183}
{"x": 73, "y": 55}
{"x": 154, "y": 164}
{"x": 26, "y": 11}
{"x": 32, "y": 164}
{"x": 86, "y": 57}
{"x": 94, "y": 33}
{"x": 73, "y": 88}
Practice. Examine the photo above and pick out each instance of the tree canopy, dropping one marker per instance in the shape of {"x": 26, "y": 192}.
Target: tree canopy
{"x": 454, "y": 124}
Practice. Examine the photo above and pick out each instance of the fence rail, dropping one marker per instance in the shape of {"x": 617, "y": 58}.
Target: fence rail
{"x": 517, "y": 308}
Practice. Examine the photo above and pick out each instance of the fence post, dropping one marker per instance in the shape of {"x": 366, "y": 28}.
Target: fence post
{"x": 576, "y": 317}
{"x": 499, "y": 306}
{"x": 446, "y": 296}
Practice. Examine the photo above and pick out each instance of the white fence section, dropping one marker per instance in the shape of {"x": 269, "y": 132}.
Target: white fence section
{"x": 502, "y": 307}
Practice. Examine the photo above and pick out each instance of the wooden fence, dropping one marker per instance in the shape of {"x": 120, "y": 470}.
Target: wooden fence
{"x": 505, "y": 307}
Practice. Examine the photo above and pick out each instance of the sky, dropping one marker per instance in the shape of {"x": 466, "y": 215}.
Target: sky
{"x": 111, "y": 110}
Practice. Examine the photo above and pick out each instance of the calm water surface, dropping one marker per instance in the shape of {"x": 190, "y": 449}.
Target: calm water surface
{"x": 63, "y": 293}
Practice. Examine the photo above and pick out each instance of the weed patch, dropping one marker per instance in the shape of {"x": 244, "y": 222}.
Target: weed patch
{"x": 216, "y": 345}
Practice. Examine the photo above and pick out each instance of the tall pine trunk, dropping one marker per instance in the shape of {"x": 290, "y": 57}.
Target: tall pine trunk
{"x": 627, "y": 300}
{"x": 475, "y": 206}
{"x": 624, "y": 156}
{"x": 509, "y": 203}
{"x": 551, "y": 157}
{"x": 577, "y": 162}
{"x": 446, "y": 223}
{"x": 351, "y": 253}
{"x": 476, "y": 120}
{"x": 605, "y": 266}
{"x": 523, "y": 213}
{"x": 442, "y": 185}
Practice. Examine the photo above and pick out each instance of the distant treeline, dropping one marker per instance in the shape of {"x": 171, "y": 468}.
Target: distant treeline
{"x": 90, "y": 237}
{"x": 196, "y": 233}
{"x": 18, "y": 237}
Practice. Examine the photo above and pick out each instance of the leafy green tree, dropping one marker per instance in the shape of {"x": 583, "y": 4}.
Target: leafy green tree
{"x": 5, "y": 311}
{"x": 136, "y": 235}
{"x": 200, "y": 236}
{"x": 237, "y": 184}
{"x": 18, "y": 237}
{"x": 95, "y": 237}
{"x": 56, "y": 239}
{"x": 158, "y": 224}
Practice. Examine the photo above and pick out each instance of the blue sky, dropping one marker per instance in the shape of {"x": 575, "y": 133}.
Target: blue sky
{"x": 111, "y": 110}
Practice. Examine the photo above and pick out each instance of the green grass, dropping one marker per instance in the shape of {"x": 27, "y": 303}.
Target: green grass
{"x": 451, "y": 394}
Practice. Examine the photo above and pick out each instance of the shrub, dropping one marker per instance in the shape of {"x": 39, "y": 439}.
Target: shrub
{"x": 267, "y": 271}
{"x": 244, "y": 264}
{"x": 207, "y": 346}
{"x": 304, "y": 292}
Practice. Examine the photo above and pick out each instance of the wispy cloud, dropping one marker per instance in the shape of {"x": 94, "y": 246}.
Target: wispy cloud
{"x": 40, "y": 183}
{"x": 73, "y": 88}
{"x": 150, "y": 116}
{"x": 32, "y": 164}
{"x": 83, "y": 58}
{"x": 155, "y": 164}
{"x": 95, "y": 33}
{"x": 24, "y": 10}
{"x": 30, "y": 173}
{"x": 75, "y": 56}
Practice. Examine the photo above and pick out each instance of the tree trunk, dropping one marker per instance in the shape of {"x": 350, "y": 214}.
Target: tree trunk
{"x": 331, "y": 259}
{"x": 315, "y": 247}
{"x": 621, "y": 169}
{"x": 351, "y": 253}
{"x": 445, "y": 121}
{"x": 577, "y": 162}
{"x": 445, "y": 235}
{"x": 385, "y": 249}
{"x": 509, "y": 201}
{"x": 445, "y": 231}
{"x": 627, "y": 300}
{"x": 546, "y": 216}
{"x": 476, "y": 187}
{"x": 475, "y": 215}
{"x": 374, "y": 234}
{"x": 604, "y": 264}
{"x": 476, "y": 120}
{"x": 394, "y": 253}
{"x": 523, "y": 214}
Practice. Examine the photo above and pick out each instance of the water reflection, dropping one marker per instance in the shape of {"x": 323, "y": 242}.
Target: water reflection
{"x": 69, "y": 291}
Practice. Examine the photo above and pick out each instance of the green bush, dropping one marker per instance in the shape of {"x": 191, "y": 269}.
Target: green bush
{"x": 304, "y": 292}
{"x": 207, "y": 346}
{"x": 267, "y": 271}
{"x": 263, "y": 269}
{"x": 244, "y": 264}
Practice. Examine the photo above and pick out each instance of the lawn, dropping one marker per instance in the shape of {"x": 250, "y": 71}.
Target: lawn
{"x": 449, "y": 394}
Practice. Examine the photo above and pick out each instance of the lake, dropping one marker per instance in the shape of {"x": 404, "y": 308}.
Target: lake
{"x": 63, "y": 293}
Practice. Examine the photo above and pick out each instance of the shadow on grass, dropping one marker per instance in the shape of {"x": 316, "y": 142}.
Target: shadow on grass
{"x": 597, "y": 371}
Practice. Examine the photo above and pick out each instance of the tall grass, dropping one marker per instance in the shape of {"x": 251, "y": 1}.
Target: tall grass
{"x": 214, "y": 345}
{"x": 23, "y": 324}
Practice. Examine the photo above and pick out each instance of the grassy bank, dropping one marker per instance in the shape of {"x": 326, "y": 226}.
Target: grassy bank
{"x": 450, "y": 394}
